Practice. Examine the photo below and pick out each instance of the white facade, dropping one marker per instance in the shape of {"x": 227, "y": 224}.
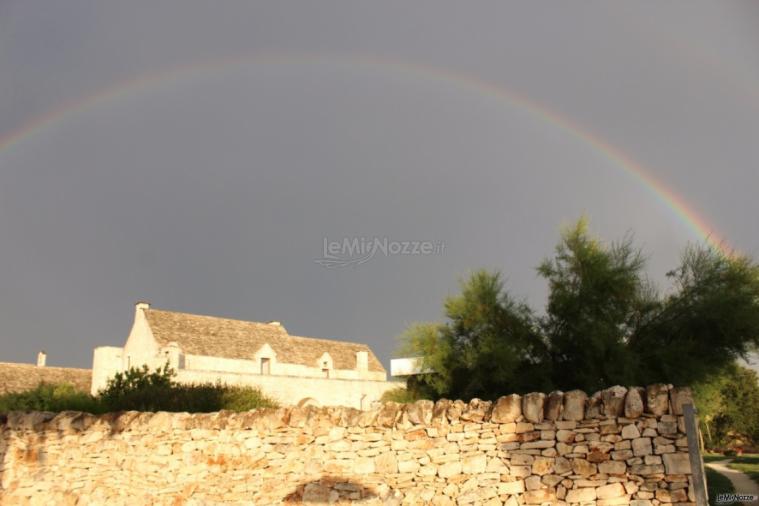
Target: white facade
{"x": 319, "y": 383}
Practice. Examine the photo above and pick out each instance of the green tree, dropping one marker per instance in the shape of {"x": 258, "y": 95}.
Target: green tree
{"x": 728, "y": 405}
{"x": 598, "y": 296}
{"x": 604, "y": 324}
{"x": 710, "y": 319}
{"x": 489, "y": 343}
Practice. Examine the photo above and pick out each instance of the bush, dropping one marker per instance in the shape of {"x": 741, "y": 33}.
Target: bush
{"x": 139, "y": 390}
{"x": 142, "y": 390}
{"x": 400, "y": 394}
{"x": 50, "y": 397}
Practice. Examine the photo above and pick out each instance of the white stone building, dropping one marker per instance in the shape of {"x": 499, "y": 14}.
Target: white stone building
{"x": 291, "y": 369}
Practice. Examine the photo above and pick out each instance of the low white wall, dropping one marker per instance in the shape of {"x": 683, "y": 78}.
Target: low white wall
{"x": 290, "y": 390}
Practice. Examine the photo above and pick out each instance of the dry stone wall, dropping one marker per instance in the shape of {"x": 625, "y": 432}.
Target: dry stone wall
{"x": 618, "y": 446}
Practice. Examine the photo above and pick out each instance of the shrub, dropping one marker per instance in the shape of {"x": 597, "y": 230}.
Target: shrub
{"x": 51, "y": 397}
{"x": 142, "y": 390}
{"x": 245, "y": 399}
{"x": 399, "y": 394}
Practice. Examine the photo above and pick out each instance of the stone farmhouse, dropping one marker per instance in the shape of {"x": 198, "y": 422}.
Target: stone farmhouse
{"x": 292, "y": 369}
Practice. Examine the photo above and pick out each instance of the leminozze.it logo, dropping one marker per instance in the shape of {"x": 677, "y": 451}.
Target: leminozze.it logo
{"x": 735, "y": 498}
{"x": 353, "y": 251}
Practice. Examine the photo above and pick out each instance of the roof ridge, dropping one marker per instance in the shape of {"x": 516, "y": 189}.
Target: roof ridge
{"x": 45, "y": 366}
{"x": 216, "y": 317}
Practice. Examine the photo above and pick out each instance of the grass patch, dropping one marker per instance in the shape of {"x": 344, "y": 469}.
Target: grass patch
{"x": 717, "y": 484}
{"x": 712, "y": 457}
{"x": 748, "y": 464}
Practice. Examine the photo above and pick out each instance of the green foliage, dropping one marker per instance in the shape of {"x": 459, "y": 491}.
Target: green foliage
{"x": 604, "y": 324}
{"x": 139, "y": 390}
{"x": 143, "y": 390}
{"x": 728, "y": 405}
{"x": 244, "y": 399}
{"x": 710, "y": 319}
{"x": 597, "y": 298}
{"x": 490, "y": 342}
{"x": 401, "y": 395}
{"x": 49, "y": 397}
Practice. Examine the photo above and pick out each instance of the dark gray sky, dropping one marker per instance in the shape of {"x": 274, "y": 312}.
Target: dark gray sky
{"x": 212, "y": 189}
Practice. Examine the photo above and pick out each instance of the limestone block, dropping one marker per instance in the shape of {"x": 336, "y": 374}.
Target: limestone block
{"x": 507, "y": 409}
{"x": 408, "y": 466}
{"x": 610, "y": 491}
{"x": 613, "y": 401}
{"x": 454, "y": 410}
{"x": 581, "y": 495}
{"x": 630, "y": 431}
{"x": 474, "y": 465}
{"x": 679, "y": 396}
{"x": 574, "y": 405}
{"x": 583, "y": 467}
{"x": 386, "y": 463}
{"x": 363, "y": 465}
{"x": 634, "y": 402}
{"x": 677, "y": 463}
{"x": 477, "y": 410}
{"x": 657, "y": 399}
{"x": 542, "y": 466}
{"x": 533, "y": 483}
{"x": 420, "y": 412}
{"x": 545, "y": 495}
{"x": 533, "y": 406}
{"x": 642, "y": 446}
{"x": 644, "y": 470}
{"x": 554, "y": 405}
{"x": 594, "y": 407}
{"x": 449, "y": 469}
{"x": 565, "y": 436}
{"x": 511, "y": 487}
{"x": 612, "y": 467}
{"x": 562, "y": 465}
{"x": 439, "y": 410}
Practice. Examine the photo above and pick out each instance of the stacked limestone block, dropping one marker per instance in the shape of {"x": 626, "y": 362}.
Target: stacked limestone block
{"x": 617, "y": 446}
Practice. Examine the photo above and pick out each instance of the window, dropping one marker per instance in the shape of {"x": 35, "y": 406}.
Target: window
{"x": 325, "y": 372}
{"x": 265, "y": 366}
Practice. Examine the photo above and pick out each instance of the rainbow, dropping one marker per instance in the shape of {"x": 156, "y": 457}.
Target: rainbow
{"x": 669, "y": 198}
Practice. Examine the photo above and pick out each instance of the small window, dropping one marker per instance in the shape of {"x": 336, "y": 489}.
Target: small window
{"x": 325, "y": 371}
{"x": 265, "y": 366}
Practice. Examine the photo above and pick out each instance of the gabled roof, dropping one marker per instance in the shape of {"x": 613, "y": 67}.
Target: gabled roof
{"x": 16, "y": 377}
{"x": 223, "y": 337}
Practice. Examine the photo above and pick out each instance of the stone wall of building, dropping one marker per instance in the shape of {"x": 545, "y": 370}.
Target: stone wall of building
{"x": 615, "y": 447}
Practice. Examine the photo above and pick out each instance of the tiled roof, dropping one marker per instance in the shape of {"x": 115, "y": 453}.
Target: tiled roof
{"x": 223, "y": 337}
{"x": 20, "y": 377}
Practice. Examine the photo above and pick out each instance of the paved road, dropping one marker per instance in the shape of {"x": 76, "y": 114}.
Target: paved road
{"x": 742, "y": 483}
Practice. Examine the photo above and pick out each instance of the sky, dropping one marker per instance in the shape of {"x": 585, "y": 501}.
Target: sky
{"x": 217, "y": 158}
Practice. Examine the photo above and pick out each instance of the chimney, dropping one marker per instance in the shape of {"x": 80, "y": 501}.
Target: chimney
{"x": 275, "y": 323}
{"x": 142, "y": 305}
{"x": 41, "y": 359}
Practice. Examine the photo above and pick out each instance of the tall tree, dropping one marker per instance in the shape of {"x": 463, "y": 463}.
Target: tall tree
{"x": 488, "y": 344}
{"x": 604, "y": 324}
{"x": 597, "y": 298}
{"x": 710, "y": 319}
